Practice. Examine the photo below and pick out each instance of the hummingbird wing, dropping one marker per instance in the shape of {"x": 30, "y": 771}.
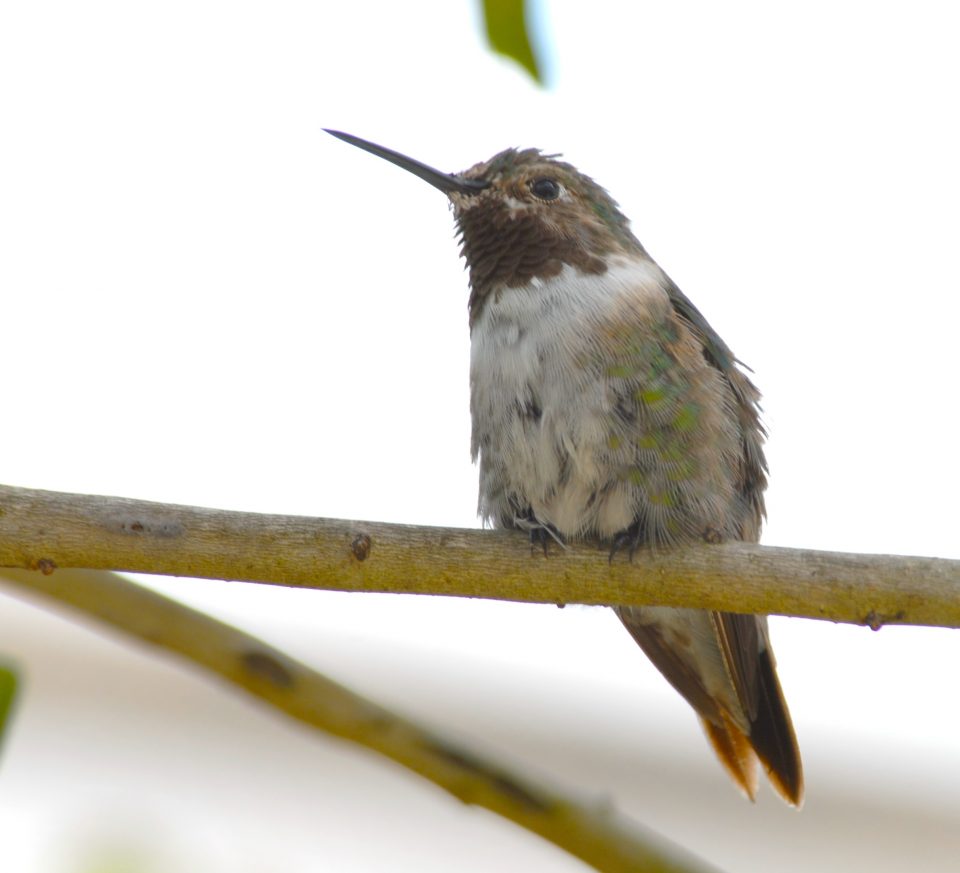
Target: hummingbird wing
{"x": 722, "y": 663}
{"x": 752, "y": 475}
{"x": 717, "y": 351}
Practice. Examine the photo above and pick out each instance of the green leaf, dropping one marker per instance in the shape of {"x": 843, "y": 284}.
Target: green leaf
{"x": 507, "y": 33}
{"x": 8, "y": 691}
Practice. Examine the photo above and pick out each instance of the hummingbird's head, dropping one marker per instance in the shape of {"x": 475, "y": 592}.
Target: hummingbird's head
{"x": 523, "y": 215}
{"x": 536, "y": 215}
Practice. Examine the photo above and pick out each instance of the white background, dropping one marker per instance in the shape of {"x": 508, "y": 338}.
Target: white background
{"x": 206, "y": 300}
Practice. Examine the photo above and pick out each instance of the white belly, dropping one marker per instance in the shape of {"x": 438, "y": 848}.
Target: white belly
{"x": 541, "y": 405}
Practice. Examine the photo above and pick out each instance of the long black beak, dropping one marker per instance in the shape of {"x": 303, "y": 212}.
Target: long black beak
{"x": 446, "y": 182}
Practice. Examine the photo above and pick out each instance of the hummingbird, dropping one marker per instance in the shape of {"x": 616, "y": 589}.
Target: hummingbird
{"x": 606, "y": 410}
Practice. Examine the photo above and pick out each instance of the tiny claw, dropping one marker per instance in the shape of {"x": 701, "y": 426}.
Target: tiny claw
{"x": 628, "y": 537}
{"x": 540, "y": 534}
{"x": 538, "y": 537}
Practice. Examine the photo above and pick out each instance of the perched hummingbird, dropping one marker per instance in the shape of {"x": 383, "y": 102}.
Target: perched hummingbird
{"x": 607, "y": 410}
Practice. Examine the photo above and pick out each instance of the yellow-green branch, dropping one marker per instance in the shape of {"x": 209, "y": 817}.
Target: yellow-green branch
{"x": 590, "y": 831}
{"x": 45, "y": 530}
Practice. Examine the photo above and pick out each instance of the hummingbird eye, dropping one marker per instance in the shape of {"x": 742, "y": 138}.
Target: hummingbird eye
{"x": 545, "y": 188}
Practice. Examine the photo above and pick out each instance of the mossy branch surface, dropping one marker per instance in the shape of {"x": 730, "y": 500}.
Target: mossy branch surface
{"x": 45, "y": 530}
{"x": 592, "y": 831}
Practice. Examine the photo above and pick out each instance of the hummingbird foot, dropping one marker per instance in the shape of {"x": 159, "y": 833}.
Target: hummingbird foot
{"x": 540, "y": 534}
{"x": 629, "y": 538}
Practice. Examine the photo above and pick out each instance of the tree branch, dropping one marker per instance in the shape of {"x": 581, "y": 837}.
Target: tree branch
{"x": 44, "y": 530}
{"x": 590, "y": 831}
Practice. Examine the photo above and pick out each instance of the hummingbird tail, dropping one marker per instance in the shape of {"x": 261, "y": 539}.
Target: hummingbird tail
{"x": 735, "y": 753}
{"x": 723, "y": 665}
{"x": 771, "y": 740}
{"x": 772, "y": 736}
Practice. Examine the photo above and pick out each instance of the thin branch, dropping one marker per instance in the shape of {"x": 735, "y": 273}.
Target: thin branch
{"x": 43, "y": 530}
{"x": 590, "y": 831}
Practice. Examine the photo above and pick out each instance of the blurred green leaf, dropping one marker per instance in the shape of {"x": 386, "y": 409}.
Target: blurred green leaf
{"x": 8, "y": 691}
{"x": 507, "y": 32}
{"x": 118, "y": 857}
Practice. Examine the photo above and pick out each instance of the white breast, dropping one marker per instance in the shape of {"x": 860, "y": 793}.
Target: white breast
{"x": 541, "y": 415}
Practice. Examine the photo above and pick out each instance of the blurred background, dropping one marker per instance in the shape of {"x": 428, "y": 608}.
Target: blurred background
{"x": 209, "y": 301}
